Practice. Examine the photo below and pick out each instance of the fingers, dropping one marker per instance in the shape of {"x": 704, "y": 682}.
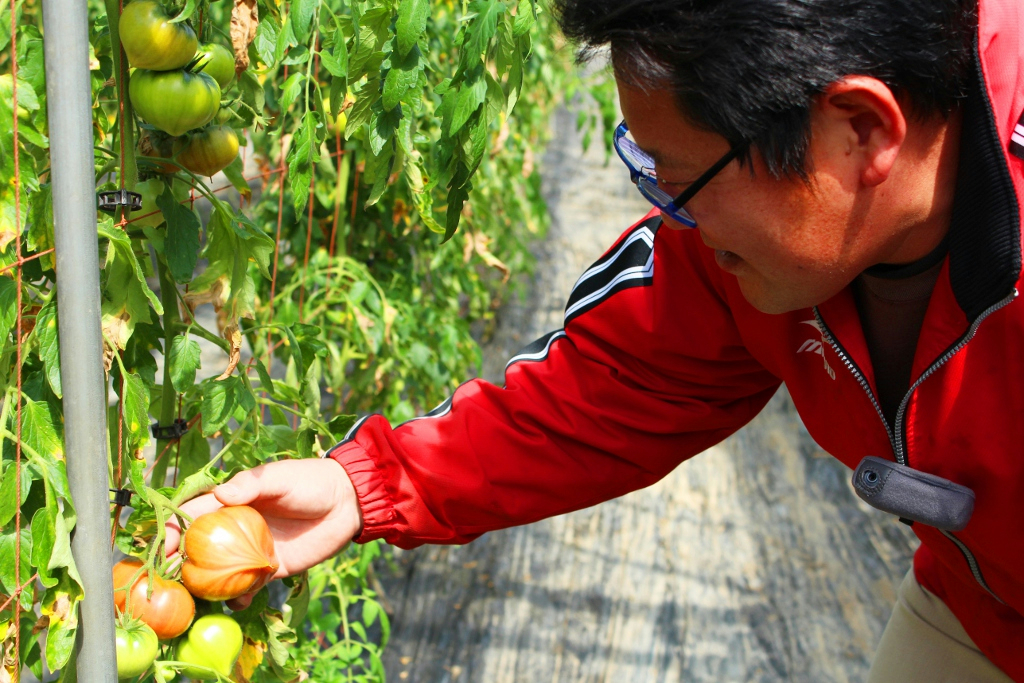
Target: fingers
{"x": 241, "y": 602}
{"x": 300, "y": 489}
{"x": 193, "y": 508}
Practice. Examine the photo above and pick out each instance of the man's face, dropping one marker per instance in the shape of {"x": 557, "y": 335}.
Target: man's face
{"x": 790, "y": 244}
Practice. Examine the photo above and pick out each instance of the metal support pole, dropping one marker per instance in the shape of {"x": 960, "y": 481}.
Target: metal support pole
{"x": 66, "y": 44}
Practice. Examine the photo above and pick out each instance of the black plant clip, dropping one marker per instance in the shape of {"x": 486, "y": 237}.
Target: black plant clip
{"x": 171, "y": 432}
{"x": 122, "y": 497}
{"x": 109, "y": 201}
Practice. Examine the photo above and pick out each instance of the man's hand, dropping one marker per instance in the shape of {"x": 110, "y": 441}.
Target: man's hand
{"x": 310, "y": 507}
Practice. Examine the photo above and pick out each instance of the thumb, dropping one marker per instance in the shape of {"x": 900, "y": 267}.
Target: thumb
{"x": 241, "y": 489}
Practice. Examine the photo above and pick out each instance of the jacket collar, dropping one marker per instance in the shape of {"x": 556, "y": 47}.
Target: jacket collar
{"x": 984, "y": 235}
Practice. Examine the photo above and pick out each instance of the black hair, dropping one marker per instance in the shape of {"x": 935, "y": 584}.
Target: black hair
{"x": 748, "y": 70}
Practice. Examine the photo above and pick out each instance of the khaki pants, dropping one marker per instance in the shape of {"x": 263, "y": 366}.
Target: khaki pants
{"x": 924, "y": 643}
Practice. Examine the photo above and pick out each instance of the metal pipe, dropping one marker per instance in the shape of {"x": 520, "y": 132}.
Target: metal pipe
{"x": 66, "y": 45}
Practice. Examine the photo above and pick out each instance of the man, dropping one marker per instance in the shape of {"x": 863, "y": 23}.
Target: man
{"x": 854, "y": 176}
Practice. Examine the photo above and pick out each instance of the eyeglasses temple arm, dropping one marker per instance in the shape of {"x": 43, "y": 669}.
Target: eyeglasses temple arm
{"x": 696, "y": 185}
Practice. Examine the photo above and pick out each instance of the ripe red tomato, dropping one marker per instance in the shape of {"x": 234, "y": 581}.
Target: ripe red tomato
{"x": 208, "y": 151}
{"x": 170, "y": 609}
{"x": 228, "y": 552}
{"x": 174, "y": 101}
{"x": 220, "y": 63}
{"x": 151, "y": 41}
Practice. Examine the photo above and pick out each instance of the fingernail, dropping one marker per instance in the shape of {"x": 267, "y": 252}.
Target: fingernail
{"x": 228, "y": 490}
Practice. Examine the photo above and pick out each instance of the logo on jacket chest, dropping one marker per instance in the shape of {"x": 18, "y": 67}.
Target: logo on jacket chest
{"x": 816, "y": 346}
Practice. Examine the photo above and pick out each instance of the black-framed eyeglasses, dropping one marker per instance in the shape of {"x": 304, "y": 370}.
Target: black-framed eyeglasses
{"x": 642, "y": 173}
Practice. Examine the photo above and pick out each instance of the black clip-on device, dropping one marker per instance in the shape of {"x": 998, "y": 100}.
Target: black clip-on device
{"x": 912, "y": 495}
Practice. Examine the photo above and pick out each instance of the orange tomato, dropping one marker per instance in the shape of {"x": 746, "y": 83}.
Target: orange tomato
{"x": 168, "y": 611}
{"x": 228, "y": 552}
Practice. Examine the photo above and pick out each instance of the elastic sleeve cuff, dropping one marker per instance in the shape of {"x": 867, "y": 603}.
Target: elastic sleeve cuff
{"x": 375, "y": 503}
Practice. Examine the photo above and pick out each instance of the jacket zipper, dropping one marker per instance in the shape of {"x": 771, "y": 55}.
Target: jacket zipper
{"x": 896, "y": 437}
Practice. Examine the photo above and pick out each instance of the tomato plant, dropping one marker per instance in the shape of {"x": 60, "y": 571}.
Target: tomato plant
{"x": 211, "y": 647}
{"x": 353, "y": 258}
{"x": 151, "y": 41}
{"x": 136, "y": 645}
{"x": 227, "y": 553}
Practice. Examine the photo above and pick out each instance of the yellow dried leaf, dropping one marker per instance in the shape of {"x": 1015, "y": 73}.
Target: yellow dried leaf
{"x": 249, "y": 660}
{"x": 244, "y": 20}
{"x": 234, "y": 337}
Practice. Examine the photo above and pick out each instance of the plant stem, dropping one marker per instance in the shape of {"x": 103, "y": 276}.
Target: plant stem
{"x": 129, "y": 169}
{"x": 169, "y": 398}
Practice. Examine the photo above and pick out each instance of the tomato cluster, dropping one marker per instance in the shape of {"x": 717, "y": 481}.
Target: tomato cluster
{"x": 227, "y": 553}
{"x": 176, "y": 85}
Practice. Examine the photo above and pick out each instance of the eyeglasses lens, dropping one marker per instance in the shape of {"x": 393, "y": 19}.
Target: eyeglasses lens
{"x": 641, "y": 167}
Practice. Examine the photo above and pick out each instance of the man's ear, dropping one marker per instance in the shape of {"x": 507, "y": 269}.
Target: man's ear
{"x": 862, "y": 113}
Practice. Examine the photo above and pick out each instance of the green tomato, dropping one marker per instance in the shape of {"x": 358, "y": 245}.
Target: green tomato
{"x": 136, "y": 648}
{"x": 220, "y": 64}
{"x": 214, "y": 642}
{"x": 174, "y": 101}
{"x": 151, "y": 41}
{"x": 209, "y": 151}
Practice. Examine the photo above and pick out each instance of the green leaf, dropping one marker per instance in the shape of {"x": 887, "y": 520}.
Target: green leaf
{"x": 340, "y": 425}
{"x": 254, "y": 98}
{"x": 181, "y": 247}
{"x": 49, "y": 345}
{"x": 137, "y": 477}
{"x": 184, "y": 359}
{"x": 235, "y": 172}
{"x": 39, "y": 423}
{"x": 291, "y": 89}
{"x": 401, "y": 78}
{"x": 303, "y": 156}
{"x": 220, "y": 399}
{"x": 333, "y": 64}
{"x": 9, "y": 500}
{"x": 370, "y": 611}
{"x": 60, "y": 606}
{"x": 192, "y": 453}
{"x": 524, "y": 18}
{"x": 61, "y": 555}
{"x": 457, "y": 197}
{"x": 7, "y": 559}
{"x": 304, "y": 445}
{"x": 136, "y": 409}
{"x": 44, "y": 535}
{"x": 285, "y": 40}
{"x": 411, "y": 22}
{"x": 266, "y": 41}
{"x": 483, "y": 27}
{"x": 470, "y": 97}
{"x": 266, "y": 383}
{"x": 126, "y": 295}
{"x": 8, "y": 307}
{"x": 40, "y": 228}
{"x": 302, "y": 18}
{"x": 363, "y": 107}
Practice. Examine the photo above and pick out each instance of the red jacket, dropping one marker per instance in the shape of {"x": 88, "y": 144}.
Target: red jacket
{"x": 662, "y": 357}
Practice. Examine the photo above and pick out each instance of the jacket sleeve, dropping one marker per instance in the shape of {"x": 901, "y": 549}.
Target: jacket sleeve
{"x": 648, "y": 371}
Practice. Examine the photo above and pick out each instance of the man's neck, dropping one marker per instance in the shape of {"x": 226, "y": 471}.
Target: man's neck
{"x": 930, "y": 180}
